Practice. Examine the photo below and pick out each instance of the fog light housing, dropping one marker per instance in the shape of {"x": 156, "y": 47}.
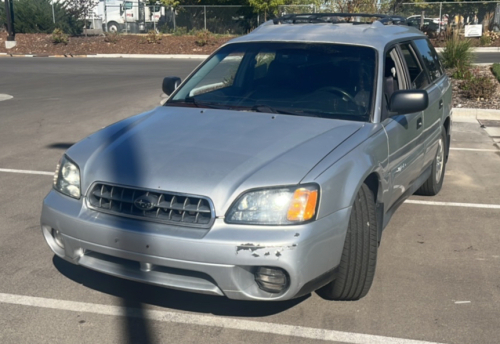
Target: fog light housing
{"x": 272, "y": 280}
{"x": 57, "y": 238}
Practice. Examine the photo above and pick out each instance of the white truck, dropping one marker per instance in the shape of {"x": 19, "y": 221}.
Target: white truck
{"x": 127, "y": 16}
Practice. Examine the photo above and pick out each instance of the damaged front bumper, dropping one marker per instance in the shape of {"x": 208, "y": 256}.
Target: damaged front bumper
{"x": 219, "y": 261}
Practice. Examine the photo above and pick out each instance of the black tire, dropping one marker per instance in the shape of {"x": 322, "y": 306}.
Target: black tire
{"x": 359, "y": 256}
{"x": 113, "y": 27}
{"x": 433, "y": 184}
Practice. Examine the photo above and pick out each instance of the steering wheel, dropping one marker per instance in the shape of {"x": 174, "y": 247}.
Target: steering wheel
{"x": 338, "y": 90}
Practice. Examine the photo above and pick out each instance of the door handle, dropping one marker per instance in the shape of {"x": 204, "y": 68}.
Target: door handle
{"x": 419, "y": 122}
{"x": 440, "y": 103}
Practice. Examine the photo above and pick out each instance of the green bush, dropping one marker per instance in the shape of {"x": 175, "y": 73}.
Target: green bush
{"x": 485, "y": 41}
{"x": 111, "y": 37}
{"x": 477, "y": 86}
{"x": 154, "y": 37}
{"x": 58, "y": 36}
{"x": 495, "y": 69}
{"x": 180, "y": 31}
{"x": 457, "y": 54}
{"x": 203, "y": 38}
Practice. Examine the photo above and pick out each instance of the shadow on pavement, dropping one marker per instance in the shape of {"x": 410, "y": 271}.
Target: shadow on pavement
{"x": 134, "y": 294}
{"x": 60, "y": 145}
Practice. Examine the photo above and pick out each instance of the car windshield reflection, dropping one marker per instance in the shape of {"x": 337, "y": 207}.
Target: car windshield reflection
{"x": 320, "y": 80}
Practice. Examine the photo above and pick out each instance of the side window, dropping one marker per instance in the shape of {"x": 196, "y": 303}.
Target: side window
{"x": 418, "y": 77}
{"x": 395, "y": 78}
{"x": 429, "y": 57}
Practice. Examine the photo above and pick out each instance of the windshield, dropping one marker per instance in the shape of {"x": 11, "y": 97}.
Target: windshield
{"x": 322, "y": 80}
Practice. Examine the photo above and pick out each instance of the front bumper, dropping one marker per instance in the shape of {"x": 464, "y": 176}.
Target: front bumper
{"x": 221, "y": 261}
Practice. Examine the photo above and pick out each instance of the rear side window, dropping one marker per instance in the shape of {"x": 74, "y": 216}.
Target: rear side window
{"x": 418, "y": 76}
{"x": 429, "y": 57}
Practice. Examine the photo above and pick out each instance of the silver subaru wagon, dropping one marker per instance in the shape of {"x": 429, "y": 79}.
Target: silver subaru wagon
{"x": 270, "y": 172}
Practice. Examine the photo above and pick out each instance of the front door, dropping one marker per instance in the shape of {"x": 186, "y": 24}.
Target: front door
{"x": 404, "y": 132}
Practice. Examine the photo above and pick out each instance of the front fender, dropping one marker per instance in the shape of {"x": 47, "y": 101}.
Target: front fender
{"x": 342, "y": 172}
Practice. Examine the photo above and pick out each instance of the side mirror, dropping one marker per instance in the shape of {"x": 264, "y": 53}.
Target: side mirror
{"x": 170, "y": 83}
{"x": 121, "y": 8}
{"x": 408, "y": 101}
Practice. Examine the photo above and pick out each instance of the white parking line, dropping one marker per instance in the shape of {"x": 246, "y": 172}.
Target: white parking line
{"x": 5, "y": 97}
{"x": 474, "y": 149}
{"x": 455, "y": 204}
{"x": 207, "y": 320}
{"x": 8, "y": 170}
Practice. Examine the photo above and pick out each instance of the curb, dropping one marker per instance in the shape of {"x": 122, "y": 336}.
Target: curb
{"x": 478, "y": 116}
{"x": 186, "y": 56}
{"x": 129, "y": 56}
{"x": 183, "y": 56}
{"x": 477, "y": 50}
{"x": 149, "y": 56}
{"x": 475, "y": 114}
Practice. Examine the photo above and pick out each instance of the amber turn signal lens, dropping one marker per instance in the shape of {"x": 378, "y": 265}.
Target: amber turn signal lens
{"x": 303, "y": 205}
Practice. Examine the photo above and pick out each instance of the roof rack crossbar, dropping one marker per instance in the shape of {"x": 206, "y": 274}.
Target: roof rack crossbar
{"x": 320, "y": 17}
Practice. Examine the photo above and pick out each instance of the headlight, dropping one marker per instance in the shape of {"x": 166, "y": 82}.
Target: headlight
{"x": 279, "y": 206}
{"x": 67, "y": 178}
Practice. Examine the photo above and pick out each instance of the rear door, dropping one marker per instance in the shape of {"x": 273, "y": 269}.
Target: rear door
{"x": 436, "y": 89}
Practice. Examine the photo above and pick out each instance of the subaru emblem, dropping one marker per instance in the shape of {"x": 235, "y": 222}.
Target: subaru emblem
{"x": 145, "y": 202}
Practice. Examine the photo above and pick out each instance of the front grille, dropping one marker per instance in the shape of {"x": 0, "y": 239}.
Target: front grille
{"x": 156, "y": 206}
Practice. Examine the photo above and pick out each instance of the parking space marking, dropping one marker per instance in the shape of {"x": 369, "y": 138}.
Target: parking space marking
{"x": 8, "y": 170}
{"x": 5, "y": 97}
{"x": 475, "y": 149}
{"x": 455, "y": 204}
{"x": 207, "y": 320}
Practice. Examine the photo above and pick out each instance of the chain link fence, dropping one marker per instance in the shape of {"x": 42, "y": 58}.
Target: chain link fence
{"x": 455, "y": 14}
{"x": 136, "y": 17}
{"x": 234, "y": 20}
{"x": 297, "y": 9}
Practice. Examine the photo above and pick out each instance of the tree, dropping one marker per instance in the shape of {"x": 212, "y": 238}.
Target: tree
{"x": 31, "y": 16}
{"x": 79, "y": 9}
{"x": 35, "y": 16}
{"x": 353, "y": 6}
{"x": 266, "y": 6}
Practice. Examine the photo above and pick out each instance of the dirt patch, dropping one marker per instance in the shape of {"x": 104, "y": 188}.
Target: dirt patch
{"x": 460, "y": 101}
{"x": 125, "y": 44}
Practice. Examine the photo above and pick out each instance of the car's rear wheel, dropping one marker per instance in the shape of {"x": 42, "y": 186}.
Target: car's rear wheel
{"x": 433, "y": 184}
{"x": 359, "y": 256}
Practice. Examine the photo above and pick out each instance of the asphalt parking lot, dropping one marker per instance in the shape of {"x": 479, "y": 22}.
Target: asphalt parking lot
{"x": 437, "y": 276}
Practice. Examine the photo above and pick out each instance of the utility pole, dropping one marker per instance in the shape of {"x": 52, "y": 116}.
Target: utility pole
{"x": 53, "y": 13}
{"x": 9, "y": 14}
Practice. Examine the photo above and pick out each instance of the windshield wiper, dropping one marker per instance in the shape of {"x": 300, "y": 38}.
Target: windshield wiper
{"x": 346, "y": 116}
{"x": 310, "y": 113}
{"x": 270, "y": 109}
{"x": 202, "y": 104}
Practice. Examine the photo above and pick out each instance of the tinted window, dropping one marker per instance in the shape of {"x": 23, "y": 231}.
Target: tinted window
{"x": 430, "y": 58}
{"x": 417, "y": 75}
{"x": 324, "y": 80}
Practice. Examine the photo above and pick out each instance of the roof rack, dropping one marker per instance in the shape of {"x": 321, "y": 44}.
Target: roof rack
{"x": 338, "y": 18}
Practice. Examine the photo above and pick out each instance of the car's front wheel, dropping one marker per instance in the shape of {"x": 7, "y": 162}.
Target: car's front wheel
{"x": 359, "y": 256}
{"x": 433, "y": 184}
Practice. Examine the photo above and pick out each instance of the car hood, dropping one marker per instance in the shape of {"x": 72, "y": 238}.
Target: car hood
{"x": 208, "y": 152}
